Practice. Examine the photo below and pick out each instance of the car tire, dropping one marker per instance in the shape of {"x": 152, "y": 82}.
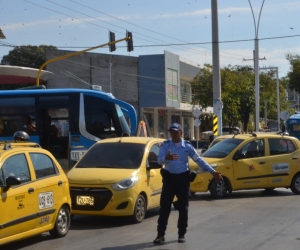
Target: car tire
{"x": 62, "y": 223}
{"x": 295, "y": 186}
{"x": 140, "y": 209}
{"x": 218, "y": 189}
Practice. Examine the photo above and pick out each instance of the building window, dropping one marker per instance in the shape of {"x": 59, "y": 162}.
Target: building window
{"x": 186, "y": 96}
{"x": 172, "y": 81}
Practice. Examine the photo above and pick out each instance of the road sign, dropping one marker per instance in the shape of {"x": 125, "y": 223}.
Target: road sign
{"x": 197, "y": 112}
{"x": 215, "y": 124}
{"x": 197, "y": 122}
{"x": 284, "y": 115}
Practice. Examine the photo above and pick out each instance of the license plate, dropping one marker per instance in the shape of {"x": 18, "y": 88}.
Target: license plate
{"x": 85, "y": 200}
{"x": 45, "y": 200}
{"x": 76, "y": 154}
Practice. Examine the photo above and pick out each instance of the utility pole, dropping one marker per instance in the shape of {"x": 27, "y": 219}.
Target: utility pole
{"x": 217, "y": 103}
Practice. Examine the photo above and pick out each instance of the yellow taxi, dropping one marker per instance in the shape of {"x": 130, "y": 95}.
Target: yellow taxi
{"x": 215, "y": 141}
{"x": 34, "y": 190}
{"x": 117, "y": 177}
{"x": 255, "y": 161}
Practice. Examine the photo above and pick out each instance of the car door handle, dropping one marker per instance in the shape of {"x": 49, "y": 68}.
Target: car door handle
{"x": 59, "y": 183}
{"x": 30, "y": 190}
{"x": 295, "y": 158}
{"x": 262, "y": 162}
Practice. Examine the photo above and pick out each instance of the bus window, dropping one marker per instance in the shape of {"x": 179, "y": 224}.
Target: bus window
{"x": 13, "y": 106}
{"x": 10, "y": 124}
{"x": 102, "y": 118}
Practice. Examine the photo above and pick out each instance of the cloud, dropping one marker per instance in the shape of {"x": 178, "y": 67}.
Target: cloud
{"x": 204, "y": 12}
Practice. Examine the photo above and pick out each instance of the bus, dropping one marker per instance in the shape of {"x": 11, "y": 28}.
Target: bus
{"x": 293, "y": 125}
{"x": 67, "y": 122}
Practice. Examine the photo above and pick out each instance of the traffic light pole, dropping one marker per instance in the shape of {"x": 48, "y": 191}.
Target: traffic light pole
{"x": 74, "y": 54}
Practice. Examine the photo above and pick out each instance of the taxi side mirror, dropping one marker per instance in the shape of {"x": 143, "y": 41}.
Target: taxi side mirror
{"x": 11, "y": 181}
{"x": 153, "y": 165}
{"x": 203, "y": 150}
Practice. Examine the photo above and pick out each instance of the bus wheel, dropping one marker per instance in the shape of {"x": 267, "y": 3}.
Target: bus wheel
{"x": 295, "y": 186}
{"x": 139, "y": 209}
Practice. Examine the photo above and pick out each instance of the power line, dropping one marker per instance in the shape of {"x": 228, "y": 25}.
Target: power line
{"x": 94, "y": 23}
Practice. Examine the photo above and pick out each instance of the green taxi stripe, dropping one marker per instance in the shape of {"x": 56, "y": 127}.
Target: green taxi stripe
{"x": 262, "y": 176}
{"x": 27, "y": 218}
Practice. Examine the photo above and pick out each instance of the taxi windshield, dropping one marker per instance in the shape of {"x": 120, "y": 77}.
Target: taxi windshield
{"x": 113, "y": 155}
{"x": 222, "y": 148}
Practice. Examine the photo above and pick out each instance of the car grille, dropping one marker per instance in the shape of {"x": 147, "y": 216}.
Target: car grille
{"x": 101, "y": 197}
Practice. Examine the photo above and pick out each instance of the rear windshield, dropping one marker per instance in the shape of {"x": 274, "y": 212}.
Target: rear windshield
{"x": 113, "y": 155}
{"x": 222, "y": 148}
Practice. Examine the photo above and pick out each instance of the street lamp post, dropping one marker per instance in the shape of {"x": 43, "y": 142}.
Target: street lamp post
{"x": 110, "y": 64}
{"x": 256, "y": 66}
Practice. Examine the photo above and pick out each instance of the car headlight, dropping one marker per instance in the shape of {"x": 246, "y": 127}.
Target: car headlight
{"x": 125, "y": 184}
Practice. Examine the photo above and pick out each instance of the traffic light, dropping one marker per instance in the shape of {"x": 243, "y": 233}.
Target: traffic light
{"x": 129, "y": 42}
{"x": 112, "y": 47}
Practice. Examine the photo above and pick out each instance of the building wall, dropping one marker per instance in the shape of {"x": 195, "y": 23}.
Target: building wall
{"x": 187, "y": 71}
{"x": 93, "y": 68}
{"x": 152, "y": 81}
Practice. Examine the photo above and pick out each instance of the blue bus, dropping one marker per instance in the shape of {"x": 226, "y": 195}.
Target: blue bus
{"x": 67, "y": 122}
{"x": 293, "y": 125}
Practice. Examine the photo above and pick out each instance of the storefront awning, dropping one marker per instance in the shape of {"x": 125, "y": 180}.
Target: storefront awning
{"x": 21, "y": 75}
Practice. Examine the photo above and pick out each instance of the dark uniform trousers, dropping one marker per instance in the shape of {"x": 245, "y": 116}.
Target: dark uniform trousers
{"x": 174, "y": 185}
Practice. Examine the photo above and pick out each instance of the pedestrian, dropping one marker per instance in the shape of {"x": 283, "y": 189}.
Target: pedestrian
{"x": 21, "y": 136}
{"x": 28, "y": 126}
{"x": 174, "y": 154}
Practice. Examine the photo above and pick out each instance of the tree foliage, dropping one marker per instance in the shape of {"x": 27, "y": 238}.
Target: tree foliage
{"x": 294, "y": 73}
{"x": 27, "y": 56}
{"x": 238, "y": 93}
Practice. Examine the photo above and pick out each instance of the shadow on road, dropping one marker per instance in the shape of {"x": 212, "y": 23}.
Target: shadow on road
{"x": 140, "y": 246}
{"x": 82, "y": 222}
{"x": 244, "y": 194}
{"x": 28, "y": 242}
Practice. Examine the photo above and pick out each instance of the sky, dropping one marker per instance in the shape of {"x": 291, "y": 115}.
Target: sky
{"x": 183, "y": 27}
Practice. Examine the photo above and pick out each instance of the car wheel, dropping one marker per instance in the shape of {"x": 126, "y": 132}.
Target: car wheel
{"x": 139, "y": 209}
{"x": 218, "y": 189}
{"x": 295, "y": 186}
{"x": 62, "y": 223}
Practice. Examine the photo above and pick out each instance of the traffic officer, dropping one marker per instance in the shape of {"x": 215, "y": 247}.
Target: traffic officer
{"x": 174, "y": 154}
